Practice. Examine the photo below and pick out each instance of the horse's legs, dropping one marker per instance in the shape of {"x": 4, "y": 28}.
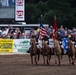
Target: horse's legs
{"x": 31, "y": 59}
{"x": 59, "y": 59}
{"x": 55, "y": 59}
{"x": 69, "y": 60}
{"x": 35, "y": 59}
{"x": 44, "y": 59}
{"x": 73, "y": 58}
{"x": 40, "y": 50}
{"x": 47, "y": 60}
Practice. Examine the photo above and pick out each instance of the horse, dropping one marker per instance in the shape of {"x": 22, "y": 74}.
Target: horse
{"x": 34, "y": 52}
{"x": 57, "y": 52}
{"x": 71, "y": 52}
{"x": 46, "y": 52}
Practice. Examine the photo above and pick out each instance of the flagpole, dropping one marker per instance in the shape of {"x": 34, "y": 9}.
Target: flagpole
{"x": 55, "y": 22}
{"x": 54, "y": 28}
{"x": 41, "y": 25}
{"x": 41, "y": 15}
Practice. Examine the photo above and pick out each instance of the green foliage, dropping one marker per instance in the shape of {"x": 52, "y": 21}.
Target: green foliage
{"x": 63, "y": 9}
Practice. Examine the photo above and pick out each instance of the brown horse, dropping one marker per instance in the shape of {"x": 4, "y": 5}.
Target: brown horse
{"x": 46, "y": 52}
{"x": 71, "y": 52}
{"x": 57, "y": 52}
{"x": 75, "y": 53}
{"x": 34, "y": 52}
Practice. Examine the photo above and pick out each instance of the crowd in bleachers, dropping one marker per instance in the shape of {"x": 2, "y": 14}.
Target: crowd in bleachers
{"x": 11, "y": 33}
{"x": 17, "y": 33}
{"x": 62, "y": 32}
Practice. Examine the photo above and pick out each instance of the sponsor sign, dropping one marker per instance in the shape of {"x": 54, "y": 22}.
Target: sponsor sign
{"x": 6, "y": 45}
{"x": 19, "y": 10}
{"x": 21, "y": 45}
{"x": 20, "y": 2}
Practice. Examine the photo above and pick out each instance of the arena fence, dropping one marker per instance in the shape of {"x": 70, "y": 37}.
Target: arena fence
{"x": 21, "y": 46}
{"x": 14, "y": 45}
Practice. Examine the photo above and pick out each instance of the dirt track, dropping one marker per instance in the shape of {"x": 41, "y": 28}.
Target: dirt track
{"x": 20, "y": 65}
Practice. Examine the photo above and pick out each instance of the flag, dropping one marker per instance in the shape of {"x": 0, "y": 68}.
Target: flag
{"x": 41, "y": 24}
{"x": 54, "y": 28}
{"x": 42, "y": 29}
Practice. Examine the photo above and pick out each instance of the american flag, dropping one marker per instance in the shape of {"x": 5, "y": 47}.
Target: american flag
{"x": 42, "y": 29}
{"x": 42, "y": 32}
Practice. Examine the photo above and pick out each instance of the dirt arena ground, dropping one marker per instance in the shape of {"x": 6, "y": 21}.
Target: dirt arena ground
{"x": 20, "y": 65}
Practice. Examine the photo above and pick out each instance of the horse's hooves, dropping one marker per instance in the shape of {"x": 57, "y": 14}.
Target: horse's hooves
{"x": 72, "y": 63}
{"x": 47, "y": 63}
{"x": 59, "y": 65}
{"x": 36, "y": 63}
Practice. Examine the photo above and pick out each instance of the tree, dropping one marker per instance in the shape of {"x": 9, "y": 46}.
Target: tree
{"x": 65, "y": 10}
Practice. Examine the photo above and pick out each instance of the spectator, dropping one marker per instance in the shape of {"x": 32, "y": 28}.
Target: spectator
{"x": 50, "y": 31}
{"x": 32, "y": 33}
{"x": 4, "y": 32}
{"x": 10, "y": 27}
{"x": 23, "y": 35}
{"x": 0, "y": 31}
{"x": 66, "y": 35}
{"x": 18, "y": 33}
{"x": 62, "y": 32}
{"x": 11, "y": 34}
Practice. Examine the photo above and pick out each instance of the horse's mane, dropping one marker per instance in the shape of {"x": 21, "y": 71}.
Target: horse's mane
{"x": 70, "y": 44}
{"x": 56, "y": 45}
{"x": 45, "y": 48}
{"x": 55, "y": 41}
{"x": 33, "y": 43}
{"x": 44, "y": 44}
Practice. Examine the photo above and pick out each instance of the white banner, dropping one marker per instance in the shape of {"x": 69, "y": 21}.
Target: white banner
{"x": 21, "y": 45}
{"x": 19, "y": 10}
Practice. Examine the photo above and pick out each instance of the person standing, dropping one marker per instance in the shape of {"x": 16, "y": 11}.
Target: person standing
{"x": 32, "y": 33}
{"x": 18, "y": 33}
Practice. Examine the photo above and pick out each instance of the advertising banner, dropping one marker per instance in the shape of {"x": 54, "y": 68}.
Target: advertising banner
{"x": 21, "y": 45}
{"x": 19, "y": 10}
{"x": 6, "y": 45}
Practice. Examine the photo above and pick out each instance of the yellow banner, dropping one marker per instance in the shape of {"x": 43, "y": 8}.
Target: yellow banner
{"x": 6, "y": 45}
